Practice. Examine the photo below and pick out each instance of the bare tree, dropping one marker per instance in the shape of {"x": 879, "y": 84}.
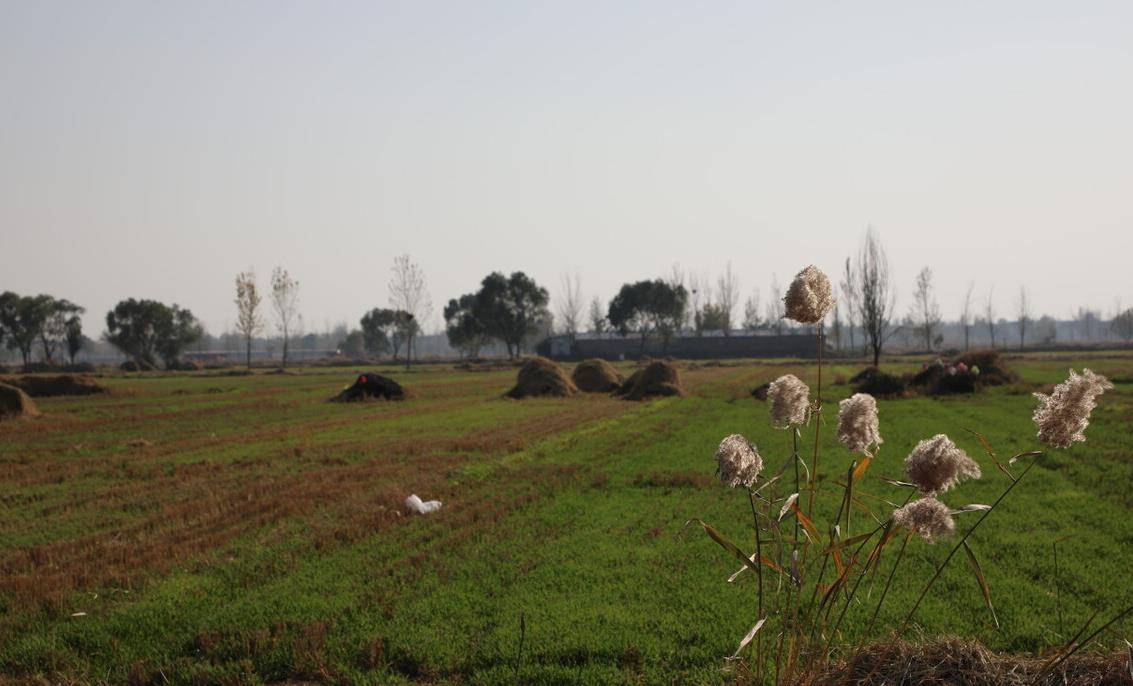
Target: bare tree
{"x": 966, "y": 314}
{"x": 249, "y": 321}
{"x": 926, "y": 310}
{"x": 728, "y": 289}
{"x": 597, "y": 316}
{"x": 875, "y": 287}
{"x": 1122, "y": 325}
{"x": 989, "y": 314}
{"x": 409, "y": 296}
{"x": 677, "y": 278}
{"x": 851, "y": 297}
{"x": 569, "y": 303}
{"x": 1087, "y": 320}
{"x": 700, "y": 295}
{"x": 776, "y": 310}
{"x": 836, "y": 326}
{"x": 1023, "y": 308}
{"x": 284, "y": 301}
{"x": 751, "y": 311}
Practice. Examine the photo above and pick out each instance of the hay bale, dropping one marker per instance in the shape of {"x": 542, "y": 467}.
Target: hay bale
{"x": 971, "y": 372}
{"x": 47, "y": 386}
{"x": 878, "y": 383}
{"x": 371, "y": 386}
{"x": 186, "y": 366}
{"x": 660, "y": 378}
{"x": 134, "y": 366}
{"x": 15, "y": 404}
{"x": 993, "y": 369}
{"x": 540, "y": 377}
{"x": 596, "y": 376}
{"x": 949, "y": 660}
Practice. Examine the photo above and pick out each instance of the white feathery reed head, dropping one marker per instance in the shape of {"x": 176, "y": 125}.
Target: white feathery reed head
{"x": 936, "y": 465}
{"x": 927, "y": 517}
{"x": 857, "y": 423}
{"x": 790, "y": 401}
{"x": 738, "y": 462}
{"x": 1062, "y": 416}
{"x": 810, "y": 296}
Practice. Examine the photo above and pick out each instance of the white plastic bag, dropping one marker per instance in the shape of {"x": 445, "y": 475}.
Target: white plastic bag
{"x": 415, "y": 504}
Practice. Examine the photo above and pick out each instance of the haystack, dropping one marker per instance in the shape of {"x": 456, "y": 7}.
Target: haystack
{"x": 993, "y": 369}
{"x": 596, "y": 376}
{"x": 15, "y": 404}
{"x": 540, "y": 377}
{"x": 660, "y": 378}
{"x": 949, "y": 660}
{"x": 969, "y": 373}
{"x": 371, "y": 386}
{"x": 46, "y": 386}
{"x": 878, "y": 383}
{"x": 135, "y": 366}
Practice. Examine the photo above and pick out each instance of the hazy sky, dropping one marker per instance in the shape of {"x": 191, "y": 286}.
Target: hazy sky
{"x": 155, "y": 149}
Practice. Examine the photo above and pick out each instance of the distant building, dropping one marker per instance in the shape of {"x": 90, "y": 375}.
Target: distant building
{"x": 710, "y": 345}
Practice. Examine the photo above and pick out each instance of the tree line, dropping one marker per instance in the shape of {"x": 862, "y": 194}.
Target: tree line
{"x": 515, "y": 311}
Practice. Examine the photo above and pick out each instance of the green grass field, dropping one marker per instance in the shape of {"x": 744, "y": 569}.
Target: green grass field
{"x": 238, "y": 529}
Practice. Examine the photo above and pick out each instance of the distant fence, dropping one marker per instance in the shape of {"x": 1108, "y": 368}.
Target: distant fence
{"x": 685, "y": 347}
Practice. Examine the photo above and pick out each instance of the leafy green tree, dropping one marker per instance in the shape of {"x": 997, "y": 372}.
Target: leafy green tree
{"x": 646, "y": 307}
{"x": 465, "y": 332}
{"x": 23, "y": 318}
{"x": 379, "y": 330}
{"x": 74, "y": 337}
{"x": 511, "y": 308}
{"x": 354, "y": 345}
{"x": 147, "y": 329}
{"x": 57, "y": 314}
{"x": 714, "y": 317}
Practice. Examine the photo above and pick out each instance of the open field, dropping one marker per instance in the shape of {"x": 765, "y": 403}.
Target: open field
{"x": 239, "y": 529}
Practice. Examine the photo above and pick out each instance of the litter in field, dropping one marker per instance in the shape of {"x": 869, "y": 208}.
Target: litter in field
{"x": 15, "y": 404}
{"x": 371, "y": 386}
{"x": 541, "y": 377}
{"x": 415, "y": 504}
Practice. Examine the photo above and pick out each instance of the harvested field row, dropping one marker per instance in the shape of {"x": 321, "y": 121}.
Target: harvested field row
{"x": 567, "y": 512}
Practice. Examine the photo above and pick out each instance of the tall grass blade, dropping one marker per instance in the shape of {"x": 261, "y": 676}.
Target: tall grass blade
{"x": 985, "y": 443}
{"x": 895, "y": 482}
{"x": 860, "y": 470}
{"x": 838, "y": 545}
{"x": 747, "y": 639}
{"x": 732, "y": 548}
{"x": 787, "y": 505}
{"x": 808, "y": 526}
{"x": 979, "y": 572}
{"x": 1085, "y": 642}
{"x": 1020, "y": 456}
{"x": 973, "y": 507}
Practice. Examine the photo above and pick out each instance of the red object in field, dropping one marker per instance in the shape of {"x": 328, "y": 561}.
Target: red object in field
{"x": 373, "y": 386}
